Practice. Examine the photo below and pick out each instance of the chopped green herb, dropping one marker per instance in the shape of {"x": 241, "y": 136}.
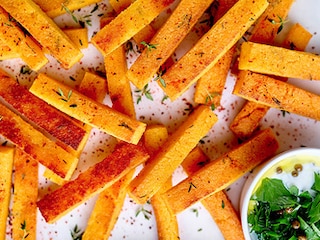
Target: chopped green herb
{"x": 123, "y": 124}
{"x": 159, "y": 77}
{"x": 25, "y": 69}
{"x": 282, "y": 212}
{"x": 72, "y": 78}
{"x": 284, "y": 112}
{"x": 144, "y": 92}
{"x": 191, "y": 185}
{"x": 24, "y": 229}
{"x": 129, "y": 47}
{"x": 146, "y": 213}
{"x": 210, "y": 98}
{"x": 196, "y": 211}
{"x": 165, "y": 97}
{"x": 73, "y": 105}
{"x": 82, "y": 21}
{"x": 96, "y": 7}
{"x": 67, "y": 10}
{"x": 76, "y": 233}
{"x": 222, "y": 204}
{"x": 280, "y": 21}
{"x": 276, "y": 101}
{"x": 66, "y": 98}
{"x": 149, "y": 46}
{"x": 186, "y": 19}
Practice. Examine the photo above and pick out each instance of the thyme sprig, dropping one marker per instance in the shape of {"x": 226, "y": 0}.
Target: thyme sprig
{"x": 196, "y": 211}
{"x": 24, "y": 229}
{"x": 65, "y": 98}
{"x": 82, "y": 20}
{"x": 149, "y": 46}
{"x": 210, "y": 98}
{"x": 76, "y": 233}
{"x": 191, "y": 185}
{"x": 280, "y": 21}
{"x": 160, "y": 78}
{"x": 144, "y": 92}
{"x": 146, "y": 213}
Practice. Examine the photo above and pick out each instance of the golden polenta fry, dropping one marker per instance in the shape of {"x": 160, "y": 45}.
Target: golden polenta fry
{"x": 128, "y": 23}
{"x": 86, "y": 110}
{"x": 44, "y": 30}
{"x": 6, "y": 164}
{"x": 213, "y": 177}
{"x": 25, "y": 196}
{"x": 161, "y": 166}
{"x": 212, "y": 46}
{"x": 279, "y": 61}
{"x": 277, "y": 94}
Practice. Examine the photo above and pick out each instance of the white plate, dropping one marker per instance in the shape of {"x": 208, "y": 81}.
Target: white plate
{"x": 291, "y": 130}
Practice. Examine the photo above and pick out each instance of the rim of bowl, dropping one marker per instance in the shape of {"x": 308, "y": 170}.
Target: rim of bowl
{"x": 255, "y": 176}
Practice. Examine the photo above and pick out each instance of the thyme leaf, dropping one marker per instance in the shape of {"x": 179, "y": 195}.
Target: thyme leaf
{"x": 144, "y": 92}
{"x": 76, "y": 233}
{"x": 146, "y": 213}
{"x": 23, "y": 227}
{"x": 191, "y": 185}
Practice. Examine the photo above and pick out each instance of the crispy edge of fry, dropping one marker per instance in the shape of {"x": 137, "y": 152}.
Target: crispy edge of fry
{"x": 25, "y": 47}
{"x": 144, "y": 34}
{"x": 271, "y": 21}
{"x": 277, "y": 94}
{"x": 181, "y": 21}
{"x": 238, "y": 161}
{"x": 99, "y": 177}
{"x": 119, "y": 6}
{"x": 58, "y": 7}
{"x": 94, "y": 86}
{"x": 81, "y": 41}
{"x": 79, "y": 36}
{"x": 297, "y": 38}
{"x": 24, "y": 209}
{"x": 278, "y": 61}
{"x": 37, "y": 145}
{"x": 247, "y": 121}
{"x": 218, "y": 204}
{"x": 47, "y": 118}
{"x": 6, "y": 52}
{"x": 140, "y": 13}
{"x": 6, "y": 163}
{"x": 86, "y": 110}
{"x": 174, "y": 150}
{"x": 44, "y": 30}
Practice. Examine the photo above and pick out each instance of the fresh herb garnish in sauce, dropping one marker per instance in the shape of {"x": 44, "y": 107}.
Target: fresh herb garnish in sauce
{"x": 286, "y": 213}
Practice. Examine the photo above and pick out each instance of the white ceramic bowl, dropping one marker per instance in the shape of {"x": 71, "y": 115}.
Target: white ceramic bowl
{"x": 287, "y": 159}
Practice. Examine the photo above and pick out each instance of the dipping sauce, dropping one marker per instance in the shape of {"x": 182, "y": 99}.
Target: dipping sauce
{"x": 285, "y": 203}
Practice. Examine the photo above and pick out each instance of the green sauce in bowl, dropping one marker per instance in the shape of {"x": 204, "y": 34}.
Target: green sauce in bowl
{"x": 282, "y": 199}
